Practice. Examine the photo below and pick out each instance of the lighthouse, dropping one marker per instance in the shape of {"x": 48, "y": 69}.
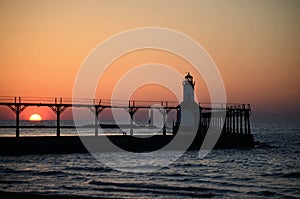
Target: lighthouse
{"x": 188, "y": 109}
{"x": 188, "y": 88}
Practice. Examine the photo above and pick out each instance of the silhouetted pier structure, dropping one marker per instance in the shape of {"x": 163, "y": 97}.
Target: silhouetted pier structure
{"x": 59, "y": 105}
{"x": 237, "y": 118}
{"x": 192, "y": 118}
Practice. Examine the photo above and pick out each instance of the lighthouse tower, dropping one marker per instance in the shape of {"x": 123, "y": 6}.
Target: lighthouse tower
{"x": 188, "y": 88}
{"x": 188, "y": 109}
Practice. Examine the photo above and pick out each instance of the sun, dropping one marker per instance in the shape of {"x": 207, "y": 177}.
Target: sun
{"x": 35, "y": 118}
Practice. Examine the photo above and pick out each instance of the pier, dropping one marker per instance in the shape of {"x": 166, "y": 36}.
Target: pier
{"x": 237, "y": 115}
{"x": 235, "y": 128}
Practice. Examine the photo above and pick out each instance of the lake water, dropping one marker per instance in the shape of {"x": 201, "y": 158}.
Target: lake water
{"x": 270, "y": 170}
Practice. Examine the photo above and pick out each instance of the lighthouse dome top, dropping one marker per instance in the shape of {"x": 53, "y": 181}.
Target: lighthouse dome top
{"x": 188, "y": 76}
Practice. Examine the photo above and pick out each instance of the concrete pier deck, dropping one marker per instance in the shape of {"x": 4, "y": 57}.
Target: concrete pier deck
{"x": 73, "y": 144}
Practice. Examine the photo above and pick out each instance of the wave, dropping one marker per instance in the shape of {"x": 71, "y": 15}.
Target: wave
{"x": 38, "y": 195}
{"x": 12, "y": 181}
{"x": 148, "y": 186}
{"x": 192, "y": 191}
{"x": 174, "y": 175}
{"x": 153, "y": 188}
{"x": 102, "y": 169}
{"x": 9, "y": 170}
{"x": 263, "y": 193}
{"x": 263, "y": 145}
{"x": 31, "y": 172}
{"x": 46, "y": 173}
{"x": 184, "y": 165}
{"x": 291, "y": 175}
{"x": 283, "y": 175}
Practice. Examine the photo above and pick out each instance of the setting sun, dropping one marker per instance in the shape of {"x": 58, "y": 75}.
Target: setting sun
{"x": 35, "y": 117}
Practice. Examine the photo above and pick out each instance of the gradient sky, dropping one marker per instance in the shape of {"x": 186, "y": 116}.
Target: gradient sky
{"x": 255, "y": 45}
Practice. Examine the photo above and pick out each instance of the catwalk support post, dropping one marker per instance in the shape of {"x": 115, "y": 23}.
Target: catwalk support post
{"x": 17, "y": 108}
{"x": 58, "y": 108}
{"x": 97, "y": 110}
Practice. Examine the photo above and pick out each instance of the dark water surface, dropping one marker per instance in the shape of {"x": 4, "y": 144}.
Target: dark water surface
{"x": 270, "y": 170}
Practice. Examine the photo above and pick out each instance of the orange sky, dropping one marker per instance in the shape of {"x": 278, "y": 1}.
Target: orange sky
{"x": 255, "y": 45}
